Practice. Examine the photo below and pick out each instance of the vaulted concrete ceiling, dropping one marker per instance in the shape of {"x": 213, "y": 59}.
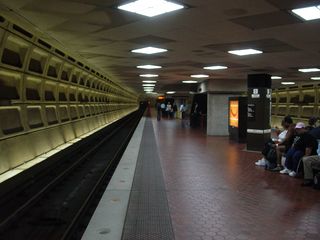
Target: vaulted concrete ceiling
{"x": 197, "y": 36}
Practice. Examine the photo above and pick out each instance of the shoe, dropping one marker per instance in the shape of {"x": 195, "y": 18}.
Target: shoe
{"x": 307, "y": 183}
{"x": 285, "y": 171}
{"x": 261, "y": 162}
{"x": 276, "y": 169}
{"x": 292, "y": 174}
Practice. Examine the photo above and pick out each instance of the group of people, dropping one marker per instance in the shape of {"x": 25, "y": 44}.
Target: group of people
{"x": 294, "y": 150}
{"x": 166, "y": 110}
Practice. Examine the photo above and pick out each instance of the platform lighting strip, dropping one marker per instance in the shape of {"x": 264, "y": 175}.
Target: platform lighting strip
{"x": 149, "y": 50}
{"x": 171, "y": 92}
{"x": 315, "y": 78}
{"x": 244, "y": 52}
{"x": 150, "y": 8}
{"x": 308, "y": 13}
{"x": 275, "y": 77}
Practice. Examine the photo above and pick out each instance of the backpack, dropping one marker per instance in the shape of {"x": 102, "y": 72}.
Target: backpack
{"x": 271, "y": 159}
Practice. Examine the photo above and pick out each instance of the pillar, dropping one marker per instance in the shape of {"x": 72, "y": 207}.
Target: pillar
{"x": 259, "y": 111}
{"x": 218, "y": 93}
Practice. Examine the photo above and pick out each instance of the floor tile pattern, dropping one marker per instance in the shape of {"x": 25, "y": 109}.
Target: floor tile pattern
{"x": 216, "y": 192}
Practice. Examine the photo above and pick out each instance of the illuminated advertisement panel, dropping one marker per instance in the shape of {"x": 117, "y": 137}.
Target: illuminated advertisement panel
{"x": 234, "y": 113}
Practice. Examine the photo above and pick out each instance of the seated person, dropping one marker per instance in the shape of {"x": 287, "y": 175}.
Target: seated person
{"x": 281, "y": 139}
{"x": 312, "y": 123}
{"x": 283, "y": 147}
{"x": 304, "y": 144}
{"x": 307, "y": 169}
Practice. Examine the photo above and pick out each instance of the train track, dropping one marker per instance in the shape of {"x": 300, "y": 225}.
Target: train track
{"x": 58, "y": 204}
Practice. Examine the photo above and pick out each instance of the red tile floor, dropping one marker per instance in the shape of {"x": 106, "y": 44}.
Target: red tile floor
{"x": 216, "y": 192}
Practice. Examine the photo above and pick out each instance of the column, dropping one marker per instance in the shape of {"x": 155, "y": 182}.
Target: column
{"x": 259, "y": 111}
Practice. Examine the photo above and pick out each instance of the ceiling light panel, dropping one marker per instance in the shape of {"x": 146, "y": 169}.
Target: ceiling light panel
{"x": 199, "y": 75}
{"x": 149, "y": 75}
{"x": 149, "y": 67}
{"x": 149, "y": 50}
{"x": 171, "y": 92}
{"x": 148, "y": 85}
{"x": 306, "y": 70}
{"x": 215, "y": 67}
{"x": 149, "y": 81}
{"x": 315, "y": 78}
{"x": 308, "y": 13}
{"x": 244, "y": 52}
{"x": 190, "y": 81}
{"x": 275, "y": 77}
{"x": 287, "y": 83}
{"x": 151, "y": 8}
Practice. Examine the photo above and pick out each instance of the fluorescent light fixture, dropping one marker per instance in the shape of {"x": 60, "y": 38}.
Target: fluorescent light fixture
{"x": 149, "y": 75}
{"x": 171, "y": 92}
{"x": 151, "y": 8}
{"x": 215, "y": 67}
{"x": 306, "y": 70}
{"x": 315, "y": 78}
{"x": 287, "y": 83}
{"x": 199, "y": 76}
{"x": 149, "y": 50}
{"x": 149, "y": 81}
{"x": 148, "y": 85}
{"x": 149, "y": 67}
{"x": 243, "y": 52}
{"x": 275, "y": 77}
{"x": 190, "y": 81}
{"x": 308, "y": 13}
{"x": 148, "y": 89}
{"x": 154, "y": 93}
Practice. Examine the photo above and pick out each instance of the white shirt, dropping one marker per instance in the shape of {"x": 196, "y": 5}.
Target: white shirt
{"x": 282, "y": 136}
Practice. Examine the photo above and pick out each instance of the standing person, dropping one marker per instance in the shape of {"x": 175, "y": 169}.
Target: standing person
{"x": 174, "y": 109}
{"x": 163, "y": 109}
{"x": 195, "y": 116}
{"x": 158, "y": 111}
{"x": 182, "y": 110}
{"x": 169, "y": 109}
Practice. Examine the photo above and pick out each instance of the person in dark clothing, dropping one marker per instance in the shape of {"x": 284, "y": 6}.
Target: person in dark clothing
{"x": 175, "y": 109}
{"x": 315, "y": 132}
{"x": 158, "y": 111}
{"x": 312, "y": 123}
{"x": 304, "y": 144}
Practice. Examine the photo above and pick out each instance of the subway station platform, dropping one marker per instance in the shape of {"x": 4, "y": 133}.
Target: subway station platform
{"x": 188, "y": 186}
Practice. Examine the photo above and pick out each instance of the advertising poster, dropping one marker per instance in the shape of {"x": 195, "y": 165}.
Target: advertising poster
{"x": 234, "y": 113}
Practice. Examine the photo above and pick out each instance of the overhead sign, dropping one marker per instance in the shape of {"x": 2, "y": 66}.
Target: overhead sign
{"x": 255, "y": 93}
